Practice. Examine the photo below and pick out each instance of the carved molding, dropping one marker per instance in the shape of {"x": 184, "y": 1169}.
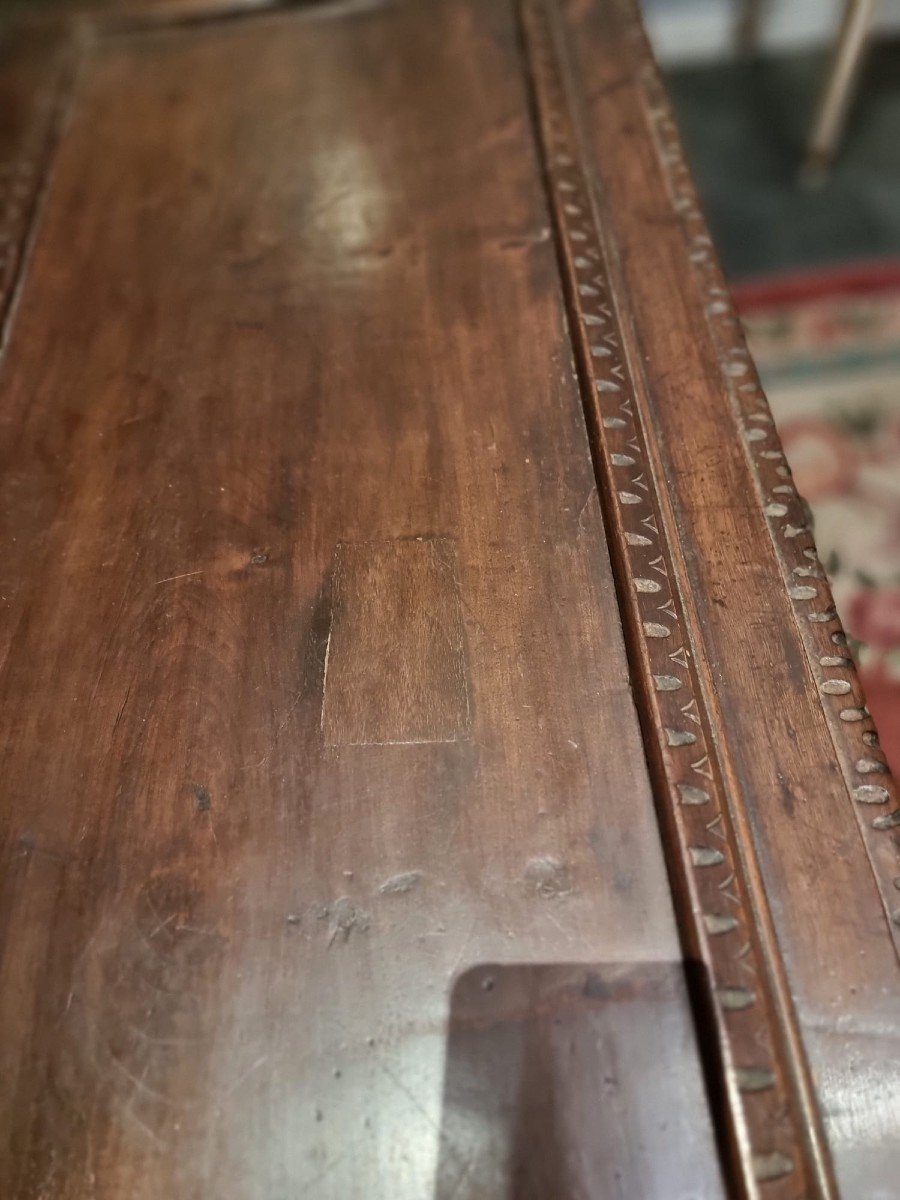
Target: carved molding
{"x": 776, "y": 1146}
{"x": 873, "y": 791}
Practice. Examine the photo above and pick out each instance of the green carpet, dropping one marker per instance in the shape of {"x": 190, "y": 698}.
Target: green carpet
{"x": 744, "y": 126}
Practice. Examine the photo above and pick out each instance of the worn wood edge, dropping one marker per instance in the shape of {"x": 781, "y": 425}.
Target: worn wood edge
{"x": 773, "y": 1128}
{"x": 146, "y": 16}
{"x": 25, "y": 175}
{"x": 83, "y": 22}
{"x": 869, "y": 783}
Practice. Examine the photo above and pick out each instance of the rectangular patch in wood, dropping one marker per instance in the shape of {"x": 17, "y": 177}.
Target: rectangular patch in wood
{"x": 395, "y": 668}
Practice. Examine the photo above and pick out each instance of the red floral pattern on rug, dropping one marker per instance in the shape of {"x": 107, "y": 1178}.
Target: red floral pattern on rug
{"x": 831, "y": 367}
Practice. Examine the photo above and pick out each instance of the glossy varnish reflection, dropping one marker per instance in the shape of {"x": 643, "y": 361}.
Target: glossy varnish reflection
{"x": 34, "y": 70}
{"x": 289, "y": 386}
{"x": 366, "y": 779}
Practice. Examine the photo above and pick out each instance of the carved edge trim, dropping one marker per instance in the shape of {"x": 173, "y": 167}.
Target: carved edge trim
{"x": 767, "y": 1132}
{"x": 866, "y": 774}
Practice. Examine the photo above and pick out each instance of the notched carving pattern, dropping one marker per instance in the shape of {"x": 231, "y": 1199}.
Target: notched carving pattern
{"x": 849, "y": 721}
{"x": 717, "y": 916}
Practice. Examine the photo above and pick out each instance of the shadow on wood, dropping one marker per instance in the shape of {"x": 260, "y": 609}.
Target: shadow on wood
{"x": 565, "y": 1081}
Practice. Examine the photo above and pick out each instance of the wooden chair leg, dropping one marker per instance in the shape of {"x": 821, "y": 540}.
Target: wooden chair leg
{"x": 839, "y": 88}
{"x": 748, "y": 26}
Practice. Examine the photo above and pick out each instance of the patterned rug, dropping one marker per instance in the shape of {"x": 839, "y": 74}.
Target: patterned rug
{"x": 828, "y": 350}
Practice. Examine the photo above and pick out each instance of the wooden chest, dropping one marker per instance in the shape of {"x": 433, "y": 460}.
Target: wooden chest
{"x": 432, "y": 765}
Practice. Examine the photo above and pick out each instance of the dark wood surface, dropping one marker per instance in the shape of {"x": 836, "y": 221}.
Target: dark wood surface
{"x": 35, "y": 69}
{"x": 387, "y": 810}
{"x": 803, "y": 777}
{"x": 288, "y": 404}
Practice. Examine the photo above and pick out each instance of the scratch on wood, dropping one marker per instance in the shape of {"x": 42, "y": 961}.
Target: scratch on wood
{"x": 172, "y": 578}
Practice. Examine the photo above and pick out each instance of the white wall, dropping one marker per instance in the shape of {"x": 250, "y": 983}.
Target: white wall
{"x": 703, "y": 30}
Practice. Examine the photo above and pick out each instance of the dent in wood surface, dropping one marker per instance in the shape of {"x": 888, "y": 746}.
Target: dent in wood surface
{"x": 395, "y": 667}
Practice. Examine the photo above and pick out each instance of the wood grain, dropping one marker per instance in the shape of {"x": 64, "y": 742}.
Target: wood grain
{"x": 770, "y": 1115}
{"x": 294, "y": 287}
{"x": 35, "y": 69}
{"x": 763, "y": 629}
{"x": 332, "y": 783}
{"x": 525, "y": 1047}
{"x": 395, "y": 664}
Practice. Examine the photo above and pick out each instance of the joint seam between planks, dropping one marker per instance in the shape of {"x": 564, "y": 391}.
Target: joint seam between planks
{"x": 711, "y": 857}
{"x": 28, "y": 176}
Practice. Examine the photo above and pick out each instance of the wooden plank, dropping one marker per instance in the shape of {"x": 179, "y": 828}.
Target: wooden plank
{"x": 34, "y": 70}
{"x": 293, "y": 291}
{"x": 395, "y": 666}
{"x": 789, "y": 732}
{"x": 769, "y": 1110}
